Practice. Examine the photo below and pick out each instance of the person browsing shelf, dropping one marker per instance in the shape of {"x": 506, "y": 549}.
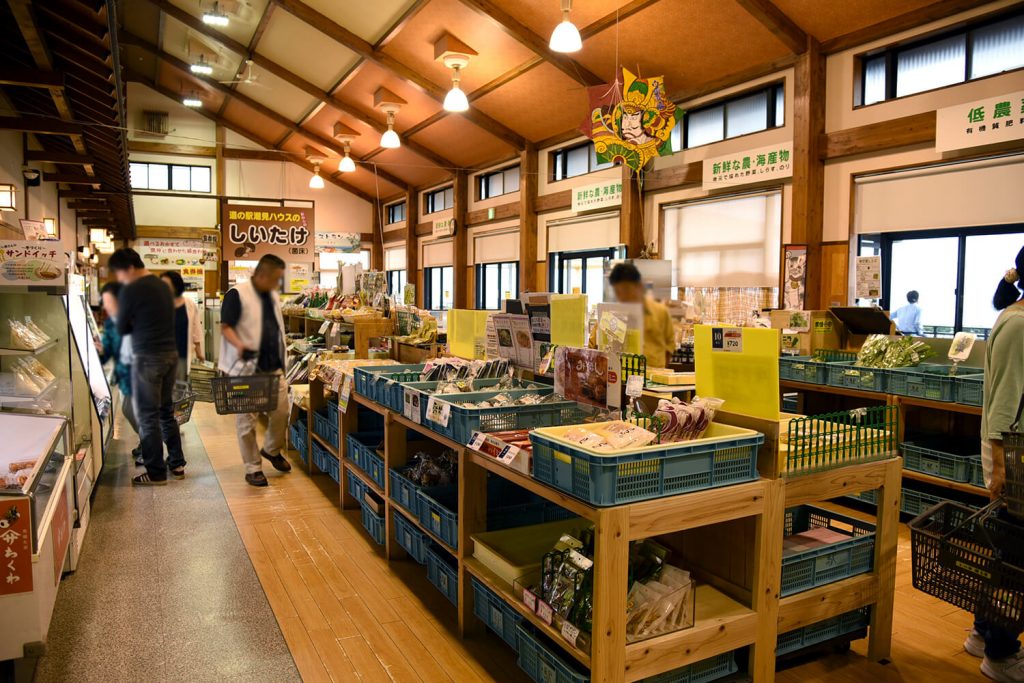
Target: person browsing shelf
{"x": 188, "y": 326}
{"x": 908, "y": 317}
{"x": 659, "y": 334}
{"x": 110, "y": 348}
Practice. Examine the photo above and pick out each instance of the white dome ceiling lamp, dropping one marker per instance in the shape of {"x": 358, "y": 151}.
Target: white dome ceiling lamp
{"x": 455, "y": 55}
{"x": 566, "y": 37}
{"x": 316, "y": 181}
{"x": 389, "y": 103}
{"x": 345, "y": 135}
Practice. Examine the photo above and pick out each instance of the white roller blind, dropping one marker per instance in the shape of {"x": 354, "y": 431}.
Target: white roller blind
{"x": 496, "y": 247}
{"x": 437, "y": 254}
{"x": 730, "y": 242}
{"x": 588, "y": 232}
{"x": 394, "y": 258}
{"x": 948, "y": 196}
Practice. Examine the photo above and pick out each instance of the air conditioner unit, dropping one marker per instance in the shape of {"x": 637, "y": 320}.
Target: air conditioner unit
{"x": 154, "y": 123}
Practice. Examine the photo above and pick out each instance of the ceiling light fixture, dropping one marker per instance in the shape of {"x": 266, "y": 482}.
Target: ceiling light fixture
{"x": 566, "y": 37}
{"x": 316, "y": 181}
{"x": 389, "y": 103}
{"x": 192, "y": 100}
{"x": 345, "y": 135}
{"x": 456, "y": 99}
{"x": 201, "y": 67}
{"x": 347, "y": 165}
{"x": 215, "y": 17}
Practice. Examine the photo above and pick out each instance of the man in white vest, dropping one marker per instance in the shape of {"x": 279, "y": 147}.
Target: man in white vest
{"x": 252, "y": 332}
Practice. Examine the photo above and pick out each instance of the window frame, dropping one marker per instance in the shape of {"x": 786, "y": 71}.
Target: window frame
{"x": 389, "y": 211}
{"x": 401, "y": 277}
{"x": 428, "y": 199}
{"x": 428, "y": 290}
{"x": 562, "y": 154}
{"x": 170, "y": 176}
{"x": 483, "y": 178}
{"x": 771, "y": 91}
{"x": 480, "y": 284}
{"x": 557, "y": 259}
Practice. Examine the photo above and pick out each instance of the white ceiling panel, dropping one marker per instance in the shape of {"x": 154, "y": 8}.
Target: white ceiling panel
{"x": 187, "y": 45}
{"x": 368, "y": 20}
{"x": 243, "y": 15}
{"x": 300, "y": 48}
{"x": 278, "y": 95}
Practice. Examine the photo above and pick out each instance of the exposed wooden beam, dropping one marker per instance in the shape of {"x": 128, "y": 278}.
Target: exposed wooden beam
{"x": 874, "y": 137}
{"x": 776, "y": 21}
{"x": 556, "y": 201}
{"x": 502, "y": 212}
{"x": 174, "y": 149}
{"x": 675, "y": 176}
{"x": 45, "y": 156}
{"x": 259, "y": 154}
{"x": 400, "y": 23}
{"x": 460, "y": 241}
{"x": 525, "y": 35}
{"x": 261, "y": 28}
{"x": 70, "y": 179}
{"x": 412, "y": 247}
{"x": 30, "y": 78}
{"x": 94, "y": 212}
{"x": 39, "y": 124}
{"x": 528, "y": 186}
{"x": 612, "y": 18}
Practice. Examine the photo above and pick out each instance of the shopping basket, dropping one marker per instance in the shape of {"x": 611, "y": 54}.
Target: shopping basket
{"x": 1013, "y": 453}
{"x": 249, "y": 392}
{"x": 184, "y": 399}
{"x": 973, "y": 559}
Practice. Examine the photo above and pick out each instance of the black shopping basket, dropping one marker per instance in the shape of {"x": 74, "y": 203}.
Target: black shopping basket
{"x": 1013, "y": 450}
{"x": 184, "y": 399}
{"x": 973, "y": 559}
{"x": 247, "y": 393}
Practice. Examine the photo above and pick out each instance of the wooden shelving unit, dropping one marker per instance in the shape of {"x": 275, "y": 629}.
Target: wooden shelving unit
{"x": 732, "y": 611}
{"x": 362, "y": 330}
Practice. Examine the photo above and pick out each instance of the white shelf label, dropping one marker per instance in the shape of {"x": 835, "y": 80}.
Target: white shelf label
{"x": 438, "y": 411}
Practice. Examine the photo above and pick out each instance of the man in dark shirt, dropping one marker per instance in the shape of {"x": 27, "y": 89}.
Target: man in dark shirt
{"x": 146, "y": 311}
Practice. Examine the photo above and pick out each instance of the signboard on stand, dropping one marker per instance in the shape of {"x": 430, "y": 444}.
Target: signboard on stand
{"x": 597, "y": 196}
{"x": 171, "y": 254}
{"x": 869, "y": 277}
{"x": 983, "y": 122}
{"x": 32, "y": 264}
{"x": 250, "y": 232}
{"x": 774, "y": 162}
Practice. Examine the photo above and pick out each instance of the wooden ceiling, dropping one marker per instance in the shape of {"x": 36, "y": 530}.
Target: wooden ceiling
{"x": 320, "y": 61}
{"x": 61, "y": 81}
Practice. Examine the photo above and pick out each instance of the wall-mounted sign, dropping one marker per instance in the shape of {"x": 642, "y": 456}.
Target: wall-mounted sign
{"x": 794, "y": 277}
{"x": 338, "y": 243}
{"x": 172, "y": 254}
{"x": 32, "y": 264}
{"x": 195, "y": 278}
{"x": 250, "y": 232}
{"x": 298, "y": 277}
{"x": 869, "y": 277}
{"x": 34, "y": 230}
{"x": 597, "y": 196}
{"x": 985, "y": 122}
{"x": 444, "y": 228}
{"x": 753, "y": 166}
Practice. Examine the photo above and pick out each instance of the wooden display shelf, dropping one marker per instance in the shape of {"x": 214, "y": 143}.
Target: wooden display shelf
{"x": 960, "y": 486}
{"x": 323, "y": 442}
{"x": 838, "y": 391}
{"x": 361, "y": 476}
{"x": 937, "y": 405}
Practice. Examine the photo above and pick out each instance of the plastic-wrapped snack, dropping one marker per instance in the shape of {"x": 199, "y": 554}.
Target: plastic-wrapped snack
{"x": 529, "y": 400}
{"x": 623, "y": 435}
{"x": 39, "y": 369}
{"x": 586, "y": 438}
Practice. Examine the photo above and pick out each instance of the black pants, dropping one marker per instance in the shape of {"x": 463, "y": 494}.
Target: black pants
{"x": 153, "y": 378}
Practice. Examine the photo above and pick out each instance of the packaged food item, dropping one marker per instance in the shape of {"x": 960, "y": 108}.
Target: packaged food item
{"x": 679, "y": 421}
{"x": 623, "y": 435}
{"x": 430, "y": 469}
{"x": 21, "y": 465}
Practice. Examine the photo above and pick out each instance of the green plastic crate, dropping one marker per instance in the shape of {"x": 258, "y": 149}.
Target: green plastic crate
{"x": 943, "y": 458}
{"x": 850, "y": 376}
{"x": 820, "y": 566}
{"x": 823, "y": 442}
{"x": 969, "y": 390}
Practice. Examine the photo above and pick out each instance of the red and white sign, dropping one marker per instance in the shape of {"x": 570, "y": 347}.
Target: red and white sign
{"x": 15, "y": 547}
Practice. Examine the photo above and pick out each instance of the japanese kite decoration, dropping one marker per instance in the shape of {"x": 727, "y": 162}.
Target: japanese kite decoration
{"x": 632, "y": 125}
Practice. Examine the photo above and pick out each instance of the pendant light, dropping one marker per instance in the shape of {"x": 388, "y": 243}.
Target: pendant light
{"x": 455, "y": 100}
{"x": 389, "y": 103}
{"x": 347, "y": 165}
{"x": 389, "y": 139}
{"x": 313, "y": 156}
{"x": 566, "y": 37}
{"x": 345, "y": 135}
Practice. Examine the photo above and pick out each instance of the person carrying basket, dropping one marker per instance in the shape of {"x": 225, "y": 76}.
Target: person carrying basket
{"x": 253, "y": 341}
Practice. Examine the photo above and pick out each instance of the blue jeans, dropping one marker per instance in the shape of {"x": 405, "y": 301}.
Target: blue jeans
{"x": 153, "y": 378}
{"x": 1000, "y": 642}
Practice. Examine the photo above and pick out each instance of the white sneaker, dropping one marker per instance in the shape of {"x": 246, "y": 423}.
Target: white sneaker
{"x": 1007, "y": 670}
{"x": 975, "y": 644}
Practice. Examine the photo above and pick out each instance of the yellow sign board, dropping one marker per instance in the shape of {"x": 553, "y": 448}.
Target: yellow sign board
{"x": 569, "y": 320}
{"x": 741, "y": 366}
{"x": 467, "y": 333}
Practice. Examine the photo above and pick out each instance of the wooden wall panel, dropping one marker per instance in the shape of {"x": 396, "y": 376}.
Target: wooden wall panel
{"x": 835, "y": 273}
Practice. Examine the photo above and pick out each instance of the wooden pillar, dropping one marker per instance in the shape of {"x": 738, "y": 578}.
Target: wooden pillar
{"x": 220, "y": 135}
{"x": 412, "y": 247}
{"x": 808, "y": 168}
{"x": 528, "y": 169}
{"x": 767, "y": 580}
{"x": 460, "y": 247}
{"x": 611, "y": 575}
{"x": 631, "y": 214}
{"x": 377, "y": 251}
{"x": 886, "y": 542}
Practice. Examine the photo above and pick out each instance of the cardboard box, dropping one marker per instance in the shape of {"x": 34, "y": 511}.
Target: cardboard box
{"x": 825, "y": 332}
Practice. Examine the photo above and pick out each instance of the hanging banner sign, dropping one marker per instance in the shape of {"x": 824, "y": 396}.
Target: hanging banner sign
{"x": 25, "y": 263}
{"x": 251, "y": 232}
{"x": 984, "y": 122}
{"x": 597, "y": 196}
{"x": 171, "y": 254}
{"x": 338, "y": 243}
{"x": 753, "y": 166}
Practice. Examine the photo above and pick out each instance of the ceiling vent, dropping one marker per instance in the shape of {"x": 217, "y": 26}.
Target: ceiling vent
{"x": 154, "y": 123}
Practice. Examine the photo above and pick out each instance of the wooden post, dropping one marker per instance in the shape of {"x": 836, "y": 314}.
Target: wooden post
{"x": 348, "y": 423}
{"x": 460, "y": 246}
{"x": 528, "y": 219}
{"x": 764, "y": 595}
{"x": 611, "y": 576}
{"x": 396, "y": 454}
{"x": 412, "y": 246}
{"x": 631, "y": 214}
{"x": 377, "y": 251}
{"x": 886, "y": 541}
{"x": 808, "y": 168}
{"x": 472, "y": 520}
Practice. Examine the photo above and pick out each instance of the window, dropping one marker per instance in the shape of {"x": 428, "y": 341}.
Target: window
{"x": 570, "y": 162}
{"x": 439, "y": 200}
{"x": 438, "y": 288}
{"x": 146, "y": 176}
{"x": 582, "y": 272}
{"x": 750, "y": 112}
{"x": 498, "y": 183}
{"x": 331, "y": 265}
{"x": 977, "y": 51}
{"x": 396, "y": 282}
{"x": 496, "y": 282}
{"x": 395, "y": 213}
{"x": 956, "y": 296}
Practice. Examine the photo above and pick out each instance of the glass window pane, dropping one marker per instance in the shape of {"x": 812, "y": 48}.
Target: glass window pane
{"x": 577, "y": 162}
{"x": 181, "y": 178}
{"x": 595, "y": 165}
{"x": 509, "y": 280}
{"x": 874, "y": 79}
{"x": 158, "y": 176}
{"x": 998, "y": 47}
{"x": 449, "y": 198}
{"x": 931, "y": 66}
{"x": 139, "y": 175}
{"x": 780, "y": 105}
{"x": 595, "y": 280}
{"x": 448, "y": 287}
{"x": 200, "y": 178}
{"x": 705, "y": 126}
{"x": 913, "y": 268}
{"x": 986, "y": 259}
{"x": 495, "y": 185}
{"x": 677, "y": 136}
{"x": 572, "y": 270}
{"x": 746, "y": 115}
{"x": 512, "y": 180}
{"x": 559, "y": 166}
{"x": 491, "y": 286}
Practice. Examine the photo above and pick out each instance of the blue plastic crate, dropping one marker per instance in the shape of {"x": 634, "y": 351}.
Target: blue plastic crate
{"x": 931, "y": 381}
{"x": 704, "y": 671}
{"x": 325, "y": 461}
{"x": 809, "y": 370}
{"x": 823, "y": 631}
{"x": 497, "y": 614}
{"x": 969, "y": 389}
{"x": 325, "y": 424}
{"x": 652, "y": 472}
{"x": 914, "y": 502}
{"x": 443, "y": 572}
{"x": 977, "y": 473}
{"x": 543, "y": 661}
{"x": 438, "y": 512}
{"x": 404, "y": 492}
{"x": 428, "y": 389}
{"x": 361, "y": 450}
{"x": 849, "y": 376}
{"x": 942, "y": 457}
{"x": 356, "y": 488}
{"x": 812, "y": 568}
{"x": 463, "y": 421}
{"x": 409, "y": 536}
{"x": 373, "y": 523}
{"x": 365, "y": 377}
{"x": 299, "y": 438}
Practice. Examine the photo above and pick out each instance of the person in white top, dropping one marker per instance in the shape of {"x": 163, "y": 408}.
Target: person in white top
{"x": 188, "y": 324}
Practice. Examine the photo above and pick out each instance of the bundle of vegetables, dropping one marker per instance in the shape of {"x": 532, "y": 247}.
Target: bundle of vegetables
{"x": 880, "y": 351}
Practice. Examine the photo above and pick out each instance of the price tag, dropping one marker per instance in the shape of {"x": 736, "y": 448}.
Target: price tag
{"x": 729, "y": 339}
{"x": 345, "y": 394}
{"x": 545, "y": 612}
{"x": 508, "y": 454}
{"x": 411, "y": 406}
{"x": 323, "y": 328}
{"x": 438, "y": 411}
{"x": 530, "y": 600}
{"x": 477, "y": 440}
{"x": 635, "y": 386}
{"x": 336, "y": 382}
{"x": 570, "y": 632}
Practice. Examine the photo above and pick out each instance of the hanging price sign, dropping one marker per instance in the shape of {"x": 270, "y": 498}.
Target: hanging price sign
{"x": 438, "y": 411}
{"x": 345, "y": 393}
{"x": 411, "y": 406}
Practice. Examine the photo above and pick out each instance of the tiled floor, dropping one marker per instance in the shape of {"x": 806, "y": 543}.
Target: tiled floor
{"x": 165, "y": 590}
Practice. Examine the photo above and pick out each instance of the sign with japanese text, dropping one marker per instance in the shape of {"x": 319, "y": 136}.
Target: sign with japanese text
{"x": 985, "y": 122}
{"x": 32, "y": 264}
{"x": 34, "y": 230}
{"x": 753, "y": 166}
{"x": 597, "y": 196}
{"x": 444, "y": 228}
{"x": 728, "y": 339}
{"x": 869, "y": 277}
{"x": 299, "y": 276}
{"x": 251, "y": 232}
{"x": 15, "y": 547}
{"x": 338, "y": 243}
{"x": 172, "y": 254}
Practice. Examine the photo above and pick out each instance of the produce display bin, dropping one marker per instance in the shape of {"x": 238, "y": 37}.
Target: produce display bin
{"x": 362, "y": 453}
{"x": 497, "y": 614}
{"x": 405, "y": 492}
{"x": 824, "y": 442}
{"x": 443, "y": 572}
{"x": 391, "y": 388}
{"x": 365, "y": 377}
{"x": 914, "y": 502}
{"x": 543, "y": 662}
{"x": 969, "y": 389}
{"x": 299, "y": 438}
{"x": 326, "y": 462}
{"x": 725, "y": 455}
{"x": 463, "y": 420}
{"x": 943, "y": 458}
{"x": 438, "y": 512}
{"x": 815, "y": 567}
{"x": 372, "y": 522}
{"x": 812, "y": 369}
{"x": 409, "y": 536}
{"x": 848, "y": 376}
{"x": 976, "y": 474}
{"x": 823, "y": 631}
{"x": 704, "y": 671}
{"x": 483, "y": 388}
{"x": 356, "y": 488}
{"x": 928, "y": 380}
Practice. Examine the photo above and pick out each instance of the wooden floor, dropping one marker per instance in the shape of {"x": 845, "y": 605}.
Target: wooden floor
{"x": 347, "y": 615}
